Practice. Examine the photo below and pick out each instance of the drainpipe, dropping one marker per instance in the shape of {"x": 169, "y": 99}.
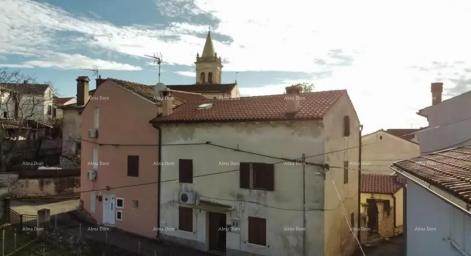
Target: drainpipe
{"x": 159, "y": 169}
{"x": 359, "y": 183}
{"x": 304, "y": 203}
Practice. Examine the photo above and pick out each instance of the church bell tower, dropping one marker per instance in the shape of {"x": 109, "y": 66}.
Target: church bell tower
{"x": 209, "y": 65}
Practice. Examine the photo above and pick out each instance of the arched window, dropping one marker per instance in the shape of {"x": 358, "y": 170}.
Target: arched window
{"x": 202, "y": 78}
{"x": 210, "y": 77}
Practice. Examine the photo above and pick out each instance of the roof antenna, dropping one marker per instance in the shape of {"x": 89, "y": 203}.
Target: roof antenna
{"x": 95, "y": 70}
{"x": 157, "y": 59}
{"x": 236, "y": 74}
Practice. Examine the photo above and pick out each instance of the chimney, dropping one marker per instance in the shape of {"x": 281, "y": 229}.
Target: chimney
{"x": 82, "y": 90}
{"x": 292, "y": 98}
{"x": 99, "y": 81}
{"x": 167, "y": 101}
{"x": 437, "y": 89}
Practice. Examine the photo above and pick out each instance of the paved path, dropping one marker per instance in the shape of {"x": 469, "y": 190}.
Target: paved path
{"x": 393, "y": 247}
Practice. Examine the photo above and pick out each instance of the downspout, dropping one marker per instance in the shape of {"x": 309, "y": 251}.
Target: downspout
{"x": 304, "y": 203}
{"x": 159, "y": 169}
{"x": 360, "y": 129}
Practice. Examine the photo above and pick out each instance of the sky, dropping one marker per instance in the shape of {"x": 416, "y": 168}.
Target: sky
{"x": 385, "y": 53}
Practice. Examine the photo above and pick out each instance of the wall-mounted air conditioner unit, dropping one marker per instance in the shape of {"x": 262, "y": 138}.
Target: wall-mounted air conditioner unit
{"x": 93, "y": 133}
{"x": 92, "y": 175}
{"x": 187, "y": 197}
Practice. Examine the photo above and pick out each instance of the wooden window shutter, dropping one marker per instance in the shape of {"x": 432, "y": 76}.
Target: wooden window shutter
{"x": 345, "y": 172}
{"x": 346, "y": 126}
{"x": 185, "y": 218}
{"x": 133, "y": 166}
{"x": 263, "y": 176}
{"x": 257, "y": 231}
{"x": 185, "y": 171}
{"x": 244, "y": 176}
{"x": 269, "y": 177}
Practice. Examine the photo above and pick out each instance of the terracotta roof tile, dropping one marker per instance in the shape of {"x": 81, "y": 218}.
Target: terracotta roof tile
{"x": 25, "y": 88}
{"x": 61, "y": 101}
{"x": 449, "y": 170}
{"x": 382, "y": 184}
{"x": 313, "y": 105}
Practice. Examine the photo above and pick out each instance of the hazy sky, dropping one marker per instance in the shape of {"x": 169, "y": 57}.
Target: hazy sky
{"x": 385, "y": 53}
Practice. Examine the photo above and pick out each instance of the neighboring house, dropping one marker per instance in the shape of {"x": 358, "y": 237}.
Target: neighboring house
{"x": 120, "y": 155}
{"x": 26, "y": 101}
{"x": 208, "y": 76}
{"x": 382, "y": 148}
{"x": 59, "y": 103}
{"x": 229, "y": 183}
{"x": 381, "y": 205}
{"x": 449, "y": 121}
{"x": 438, "y": 202}
{"x": 71, "y": 123}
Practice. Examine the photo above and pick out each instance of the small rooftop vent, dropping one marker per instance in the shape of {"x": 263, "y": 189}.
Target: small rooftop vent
{"x": 205, "y": 106}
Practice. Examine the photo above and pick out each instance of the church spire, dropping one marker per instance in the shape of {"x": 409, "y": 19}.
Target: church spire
{"x": 208, "y": 50}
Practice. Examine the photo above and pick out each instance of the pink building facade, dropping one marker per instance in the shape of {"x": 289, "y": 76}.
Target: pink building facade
{"x": 119, "y": 167}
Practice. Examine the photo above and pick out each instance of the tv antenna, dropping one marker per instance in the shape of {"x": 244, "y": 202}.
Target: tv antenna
{"x": 95, "y": 71}
{"x": 157, "y": 59}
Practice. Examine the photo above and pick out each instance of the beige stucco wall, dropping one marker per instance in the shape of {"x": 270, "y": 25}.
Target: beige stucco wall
{"x": 71, "y": 131}
{"x": 338, "y": 238}
{"x": 381, "y": 149}
{"x": 388, "y": 225}
{"x": 124, "y": 129}
{"x": 287, "y": 139}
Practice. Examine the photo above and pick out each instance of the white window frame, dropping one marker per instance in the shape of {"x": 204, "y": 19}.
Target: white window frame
{"x": 121, "y": 213}
{"x": 119, "y": 207}
{"x": 96, "y": 118}
{"x": 95, "y": 158}
{"x": 92, "y": 202}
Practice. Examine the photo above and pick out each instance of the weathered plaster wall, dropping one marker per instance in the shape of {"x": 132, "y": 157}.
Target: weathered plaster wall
{"x": 33, "y": 187}
{"x": 435, "y": 227}
{"x": 71, "y": 131}
{"x": 338, "y": 238}
{"x": 381, "y": 149}
{"x": 287, "y": 139}
{"x": 124, "y": 129}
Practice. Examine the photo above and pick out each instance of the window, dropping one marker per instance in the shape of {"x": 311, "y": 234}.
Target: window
{"x": 387, "y": 207}
{"x": 210, "y": 77}
{"x": 202, "y": 80}
{"x": 119, "y": 215}
{"x": 96, "y": 118}
{"x": 185, "y": 170}
{"x": 5, "y": 114}
{"x": 345, "y": 172}
{"x": 185, "y": 219}
{"x": 257, "y": 176}
{"x": 346, "y": 126}
{"x": 135, "y": 203}
{"x": 257, "y": 231}
{"x": 352, "y": 220}
{"x": 49, "y": 110}
{"x": 54, "y": 112}
{"x": 119, "y": 203}
{"x": 133, "y": 166}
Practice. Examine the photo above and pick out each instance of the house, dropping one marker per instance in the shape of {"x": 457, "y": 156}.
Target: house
{"x": 120, "y": 154}
{"x": 381, "y": 206}
{"x": 382, "y": 148}
{"x": 438, "y": 202}
{"x": 71, "y": 123}
{"x": 233, "y": 178}
{"x": 208, "y": 76}
{"x": 26, "y": 101}
{"x": 59, "y": 103}
{"x": 449, "y": 124}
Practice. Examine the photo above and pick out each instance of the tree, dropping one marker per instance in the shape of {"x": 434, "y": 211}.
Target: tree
{"x": 307, "y": 87}
{"x": 21, "y": 110}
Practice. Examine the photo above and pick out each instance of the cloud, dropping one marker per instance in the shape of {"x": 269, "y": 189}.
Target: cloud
{"x": 78, "y": 61}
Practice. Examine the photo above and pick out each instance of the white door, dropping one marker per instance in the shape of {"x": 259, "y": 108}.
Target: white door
{"x": 109, "y": 209}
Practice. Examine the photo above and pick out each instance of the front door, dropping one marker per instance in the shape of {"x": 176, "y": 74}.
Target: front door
{"x": 372, "y": 215}
{"x": 109, "y": 208}
{"x": 217, "y": 231}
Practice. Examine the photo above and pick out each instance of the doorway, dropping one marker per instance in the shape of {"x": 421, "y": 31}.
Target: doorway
{"x": 217, "y": 231}
{"x": 109, "y": 209}
{"x": 372, "y": 215}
